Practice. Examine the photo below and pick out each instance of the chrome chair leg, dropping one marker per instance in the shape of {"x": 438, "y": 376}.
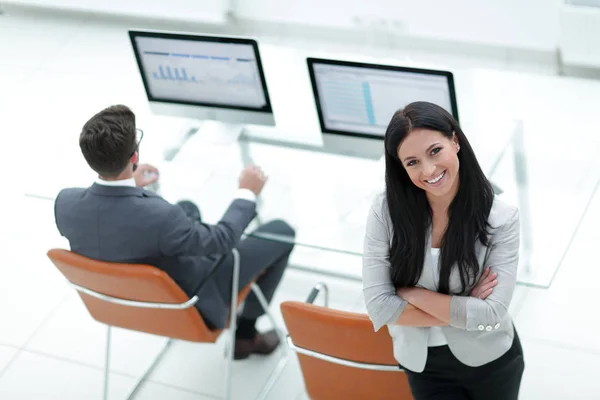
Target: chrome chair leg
{"x": 149, "y": 369}
{"x": 278, "y": 370}
{"x": 265, "y": 306}
{"x": 230, "y": 351}
{"x": 107, "y": 362}
{"x": 141, "y": 379}
{"x": 230, "y": 345}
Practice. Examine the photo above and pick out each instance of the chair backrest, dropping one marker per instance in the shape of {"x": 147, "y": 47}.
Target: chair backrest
{"x": 142, "y": 283}
{"x": 347, "y": 336}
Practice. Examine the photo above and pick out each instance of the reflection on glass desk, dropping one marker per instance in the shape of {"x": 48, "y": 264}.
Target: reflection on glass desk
{"x": 553, "y": 182}
{"x": 326, "y": 197}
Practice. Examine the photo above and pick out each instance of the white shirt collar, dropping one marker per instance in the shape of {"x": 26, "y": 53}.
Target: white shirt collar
{"x": 122, "y": 182}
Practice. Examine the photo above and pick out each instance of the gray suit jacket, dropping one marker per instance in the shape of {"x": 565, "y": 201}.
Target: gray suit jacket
{"x": 133, "y": 225}
{"x": 480, "y": 331}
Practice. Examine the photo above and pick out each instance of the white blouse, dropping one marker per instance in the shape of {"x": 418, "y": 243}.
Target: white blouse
{"x": 436, "y": 335}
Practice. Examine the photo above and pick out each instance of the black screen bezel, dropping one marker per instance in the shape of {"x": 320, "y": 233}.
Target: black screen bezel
{"x": 133, "y": 34}
{"x": 311, "y": 61}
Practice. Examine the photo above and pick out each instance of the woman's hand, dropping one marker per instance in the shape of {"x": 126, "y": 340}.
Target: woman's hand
{"x": 485, "y": 286}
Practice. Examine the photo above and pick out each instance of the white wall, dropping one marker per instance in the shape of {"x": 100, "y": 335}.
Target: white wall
{"x": 213, "y": 11}
{"x": 528, "y": 24}
{"x": 538, "y": 25}
{"x": 580, "y": 35}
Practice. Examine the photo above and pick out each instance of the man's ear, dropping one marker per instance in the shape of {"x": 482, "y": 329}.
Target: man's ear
{"x": 135, "y": 158}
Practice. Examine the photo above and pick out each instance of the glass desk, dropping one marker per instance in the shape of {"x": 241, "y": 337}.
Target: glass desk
{"x": 326, "y": 197}
{"x": 553, "y": 183}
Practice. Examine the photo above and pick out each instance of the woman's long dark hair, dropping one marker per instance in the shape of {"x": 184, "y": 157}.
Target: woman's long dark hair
{"x": 410, "y": 212}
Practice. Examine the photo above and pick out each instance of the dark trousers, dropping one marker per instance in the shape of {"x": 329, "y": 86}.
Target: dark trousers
{"x": 265, "y": 259}
{"x": 446, "y": 378}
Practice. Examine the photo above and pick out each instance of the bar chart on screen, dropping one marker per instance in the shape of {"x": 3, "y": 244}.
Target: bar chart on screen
{"x": 198, "y": 68}
{"x": 165, "y": 72}
{"x": 209, "y": 70}
{"x": 347, "y": 100}
{"x": 202, "y": 72}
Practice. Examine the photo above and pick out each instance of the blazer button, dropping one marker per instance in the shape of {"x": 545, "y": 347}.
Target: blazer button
{"x": 488, "y": 328}
{"x": 481, "y": 327}
{"x": 496, "y": 326}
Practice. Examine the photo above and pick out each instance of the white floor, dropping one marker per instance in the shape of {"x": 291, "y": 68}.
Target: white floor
{"x": 58, "y": 69}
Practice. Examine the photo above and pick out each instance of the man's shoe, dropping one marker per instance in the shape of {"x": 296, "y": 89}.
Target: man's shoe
{"x": 263, "y": 343}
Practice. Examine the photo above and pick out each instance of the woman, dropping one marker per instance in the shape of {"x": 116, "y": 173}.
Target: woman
{"x": 428, "y": 241}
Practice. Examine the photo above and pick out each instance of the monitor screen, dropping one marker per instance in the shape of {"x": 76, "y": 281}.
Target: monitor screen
{"x": 359, "y": 99}
{"x": 201, "y": 70}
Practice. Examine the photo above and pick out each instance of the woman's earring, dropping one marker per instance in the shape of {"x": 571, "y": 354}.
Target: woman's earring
{"x": 458, "y": 147}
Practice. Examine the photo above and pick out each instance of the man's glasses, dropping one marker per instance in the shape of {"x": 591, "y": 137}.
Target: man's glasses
{"x": 138, "y": 139}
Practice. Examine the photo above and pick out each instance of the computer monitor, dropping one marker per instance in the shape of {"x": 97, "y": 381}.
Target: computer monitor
{"x": 355, "y": 101}
{"x": 203, "y": 77}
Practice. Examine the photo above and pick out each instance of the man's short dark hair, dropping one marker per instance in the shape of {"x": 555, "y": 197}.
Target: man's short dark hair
{"x": 108, "y": 140}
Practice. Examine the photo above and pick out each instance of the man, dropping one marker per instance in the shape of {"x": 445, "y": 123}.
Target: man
{"x": 116, "y": 220}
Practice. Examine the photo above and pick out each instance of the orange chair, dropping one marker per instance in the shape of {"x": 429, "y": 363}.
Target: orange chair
{"x": 144, "y": 298}
{"x": 340, "y": 355}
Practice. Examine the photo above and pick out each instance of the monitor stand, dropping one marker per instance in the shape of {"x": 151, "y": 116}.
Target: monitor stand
{"x": 371, "y": 150}
{"x": 226, "y": 133}
{"x": 211, "y": 131}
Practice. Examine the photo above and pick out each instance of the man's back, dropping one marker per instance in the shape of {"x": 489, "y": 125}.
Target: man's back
{"x": 124, "y": 227}
{"x": 131, "y": 225}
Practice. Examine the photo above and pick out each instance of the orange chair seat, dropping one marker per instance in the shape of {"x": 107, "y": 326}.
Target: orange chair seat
{"x": 136, "y": 282}
{"x": 347, "y": 336}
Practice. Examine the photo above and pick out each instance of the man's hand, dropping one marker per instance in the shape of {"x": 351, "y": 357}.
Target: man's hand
{"x": 145, "y": 174}
{"x": 485, "y": 286}
{"x": 253, "y": 178}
